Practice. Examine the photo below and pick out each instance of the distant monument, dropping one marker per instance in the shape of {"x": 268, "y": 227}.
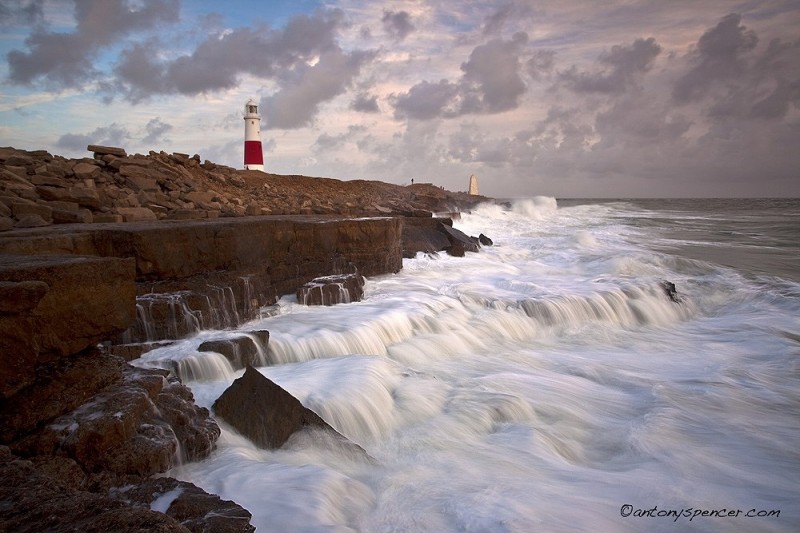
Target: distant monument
{"x": 473, "y": 185}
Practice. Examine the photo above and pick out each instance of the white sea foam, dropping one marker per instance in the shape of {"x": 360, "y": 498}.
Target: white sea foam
{"x": 540, "y": 384}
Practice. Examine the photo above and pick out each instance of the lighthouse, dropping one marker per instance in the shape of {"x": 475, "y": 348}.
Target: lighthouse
{"x": 253, "y": 154}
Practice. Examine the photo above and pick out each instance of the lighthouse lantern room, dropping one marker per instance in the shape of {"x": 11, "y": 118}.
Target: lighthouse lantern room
{"x": 253, "y": 154}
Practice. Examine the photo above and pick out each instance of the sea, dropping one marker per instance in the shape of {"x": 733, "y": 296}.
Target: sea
{"x": 549, "y": 382}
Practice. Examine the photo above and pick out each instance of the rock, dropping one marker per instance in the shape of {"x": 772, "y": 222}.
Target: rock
{"x": 200, "y": 197}
{"x": 31, "y": 221}
{"x": 84, "y": 170}
{"x": 78, "y": 216}
{"x": 85, "y": 197}
{"x": 59, "y": 388}
{"x": 136, "y": 214}
{"x": 484, "y": 240}
{"x": 50, "y": 181}
{"x": 106, "y": 150}
{"x": 34, "y": 501}
{"x": 21, "y": 297}
{"x": 670, "y": 291}
{"x": 240, "y": 351}
{"x": 107, "y": 218}
{"x": 20, "y": 210}
{"x": 193, "y": 426}
{"x": 188, "y": 504}
{"x": 459, "y": 242}
{"x": 91, "y": 299}
{"x": 332, "y": 290}
{"x": 138, "y": 427}
{"x": 264, "y": 412}
{"x": 423, "y": 235}
{"x": 6, "y": 223}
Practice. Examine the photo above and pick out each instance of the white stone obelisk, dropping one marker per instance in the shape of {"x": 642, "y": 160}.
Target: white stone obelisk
{"x": 473, "y": 185}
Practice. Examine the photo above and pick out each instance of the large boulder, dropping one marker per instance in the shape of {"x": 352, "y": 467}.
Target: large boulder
{"x": 137, "y": 426}
{"x": 423, "y": 235}
{"x": 87, "y": 300}
{"x": 460, "y": 242}
{"x": 265, "y": 413}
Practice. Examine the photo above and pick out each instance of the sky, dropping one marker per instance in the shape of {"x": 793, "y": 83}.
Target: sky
{"x": 564, "y": 98}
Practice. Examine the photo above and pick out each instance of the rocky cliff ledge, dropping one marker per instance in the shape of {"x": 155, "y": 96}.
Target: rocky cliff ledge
{"x": 98, "y": 253}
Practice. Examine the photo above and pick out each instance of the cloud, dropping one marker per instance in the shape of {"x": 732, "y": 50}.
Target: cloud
{"x": 491, "y": 83}
{"x": 111, "y": 135}
{"x": 541, "y": 64}
{"x": 218, "y": 62}
{"x": 719, "y": 55}
{"x": 326, "y": 142}
{"x": 305, "y": 87}
{"x": 506, "y": 13}
{"x": 155, "y": 130}
{"x": 729, "y": 77}
{"x": 397, "y": 24}
{"x": 26, "y": 13}
{"x": 365, "y": 103}
{"x": 65, "y": 60}
{"x": 492, "y": 75}
{"x": 426, "y": 100}
{"x": 624, "y": 64}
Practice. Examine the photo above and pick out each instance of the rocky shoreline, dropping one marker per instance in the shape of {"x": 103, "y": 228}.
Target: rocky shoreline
{"x": 101, "y": 257}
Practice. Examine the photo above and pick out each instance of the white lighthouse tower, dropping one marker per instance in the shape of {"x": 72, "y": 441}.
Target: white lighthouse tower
{"x": 253, "y": 154}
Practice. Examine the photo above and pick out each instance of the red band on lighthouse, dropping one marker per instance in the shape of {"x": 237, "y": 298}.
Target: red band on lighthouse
{"x": 253, "y": 154}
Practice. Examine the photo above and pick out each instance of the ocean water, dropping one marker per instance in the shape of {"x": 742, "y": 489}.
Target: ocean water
{"x": 546, "y": 383}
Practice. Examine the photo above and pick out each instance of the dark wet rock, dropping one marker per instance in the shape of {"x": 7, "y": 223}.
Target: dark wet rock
{"x": 484, "y": 240}
{"x": 138, "y": 424}
{"x": 240, "y": 351}
{"x": 671, "y": 291}
{"x": 90, "y": 299}
{"x": 188, "y": 504}
{"x": 265, "y": 413}
{"x": 424, "y": 235}
{"x": 33, "y": 501}
{"x": 460, "y": 242}
{"x": 59, "y": 388}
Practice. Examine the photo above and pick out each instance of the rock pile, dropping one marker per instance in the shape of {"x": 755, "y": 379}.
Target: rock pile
{"x": 39, "y": 189}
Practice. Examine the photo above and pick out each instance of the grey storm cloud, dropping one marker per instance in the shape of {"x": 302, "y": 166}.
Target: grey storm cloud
{"x": 111, "y": 135}
{"x": 365, "y": 103}
{"x": 736, "y": 79}
{"x": 305, "y": 87}
{"x": 491, "y": 83}
{"x": 218, "y": 61}
{"x": 718, "y": 56}
{"x": 427, "y": 100}
{"x": 623, "y": 64}
{"x": 397, "y": 24}
{"x": 65, "y": 60}
{"x": 21, "y": 12}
